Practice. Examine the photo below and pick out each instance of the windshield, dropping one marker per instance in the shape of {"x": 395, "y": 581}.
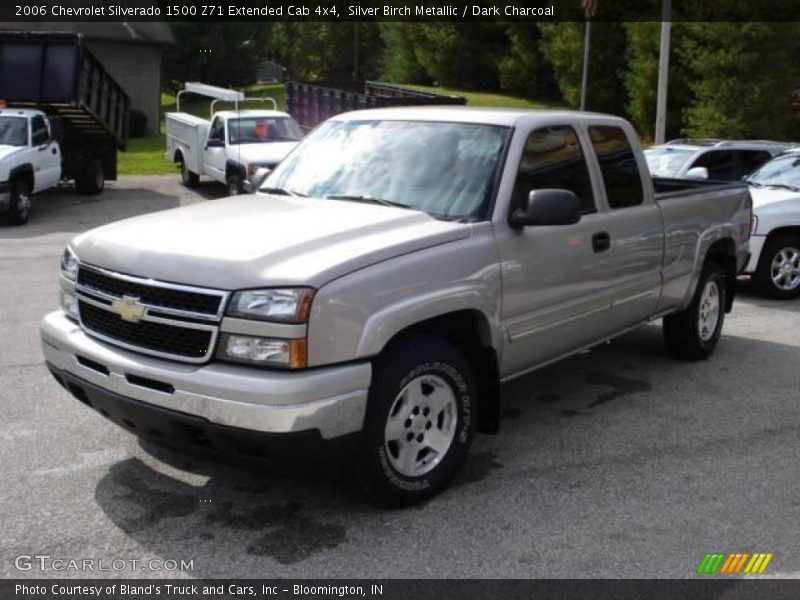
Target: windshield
{"x": 782, "y": 171}
{"x": 13, "y": 131}
{"x": 444, "y": 169}
{"x": 666, "y": 162}
{"x": 256, "y": 130}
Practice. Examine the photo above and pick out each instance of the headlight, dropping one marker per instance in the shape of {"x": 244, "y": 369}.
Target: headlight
{"x": 264, "y": 351}
{"x": 69, "y": 264}
{"x": 289, "y": 305}
{"x": 253, "y": 168}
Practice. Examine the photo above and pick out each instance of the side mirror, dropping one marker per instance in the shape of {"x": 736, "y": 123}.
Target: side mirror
{"x": 547, "y": 207}
{"x": 215, "y": 143}
{"x": 697, "y": 173}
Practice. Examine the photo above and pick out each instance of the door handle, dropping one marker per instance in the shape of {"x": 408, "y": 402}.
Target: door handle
{"x": 601, "y": 241}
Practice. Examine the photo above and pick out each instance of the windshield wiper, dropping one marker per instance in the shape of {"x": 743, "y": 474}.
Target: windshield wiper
{"x": 281, "y": 192}
{"x": 369, "y": 199}
{"x": 754, "y": 183}
{"x": 784, "y": 186}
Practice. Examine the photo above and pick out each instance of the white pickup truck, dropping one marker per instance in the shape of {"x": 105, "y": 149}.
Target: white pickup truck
{"x": 233, "y": 145}
{"x": 31, "y": 161}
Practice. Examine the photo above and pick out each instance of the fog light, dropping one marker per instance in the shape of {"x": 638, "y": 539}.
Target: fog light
{"x": 265, "y": 351}
{"x": 69, "y": 304}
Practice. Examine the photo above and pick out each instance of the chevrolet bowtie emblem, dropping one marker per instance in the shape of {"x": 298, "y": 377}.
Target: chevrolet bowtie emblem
{"x": 128, "y": 309}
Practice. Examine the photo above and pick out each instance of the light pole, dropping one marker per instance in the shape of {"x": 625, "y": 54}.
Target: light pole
{"x": 663, "y": 71}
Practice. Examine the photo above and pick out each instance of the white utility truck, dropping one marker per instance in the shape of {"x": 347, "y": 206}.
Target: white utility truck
{"x": 233, "y": 144}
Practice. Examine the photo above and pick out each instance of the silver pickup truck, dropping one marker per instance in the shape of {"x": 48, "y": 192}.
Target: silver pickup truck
{"x": 394, "y": 270}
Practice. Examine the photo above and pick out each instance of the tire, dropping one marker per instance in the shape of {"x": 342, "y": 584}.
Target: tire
{"x": 235, "y": 184}
{"x": 90, "y": 181}
{"x": 693, "y": 333}
{"x": 413, "y": 444}
{"x": 19, "y": 207}
{"x": 188, "y": 178}
{"x": 778, "y": 271}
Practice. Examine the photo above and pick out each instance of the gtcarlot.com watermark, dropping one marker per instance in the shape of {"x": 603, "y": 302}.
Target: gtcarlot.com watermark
{"x": 46, "y": 562}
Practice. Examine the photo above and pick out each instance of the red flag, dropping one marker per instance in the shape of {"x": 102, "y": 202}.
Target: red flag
{"x": 589, "y": 8}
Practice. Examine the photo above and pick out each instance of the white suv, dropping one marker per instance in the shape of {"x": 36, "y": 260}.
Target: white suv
{"x": 775, "y": 244}
{"x": 720, "y": 160}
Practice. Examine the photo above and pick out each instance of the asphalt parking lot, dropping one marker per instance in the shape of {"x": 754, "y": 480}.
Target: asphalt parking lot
{"x": 619, "y": 462}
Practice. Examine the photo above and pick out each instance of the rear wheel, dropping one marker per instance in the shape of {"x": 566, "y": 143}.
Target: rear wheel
{"x": 235, "y": 184}
{"x": 420, "y": 421}
{"x": 19, "y": 209}
{"x": 693, "y": 333}
{"x": 778, "y": 272}
{"x": 188, "y": 178}
{"x": 90, "y": 180}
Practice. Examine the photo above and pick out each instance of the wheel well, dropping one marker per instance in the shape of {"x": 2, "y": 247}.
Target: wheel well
{"x": 724, "y": 252}
{"x": 469, "y": 331}
{"x": 24, "y": 172}
{"x": 792, "y": 230}
{"x": 178, "y": 157}
{"x": 230, "y": 167}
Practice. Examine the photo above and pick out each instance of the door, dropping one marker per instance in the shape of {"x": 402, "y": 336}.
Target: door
{"x": 46, "y": 158}
{"x": 214, "y": 156}
{"x": 634, "y": 227}
{"x": 555, "y": 278}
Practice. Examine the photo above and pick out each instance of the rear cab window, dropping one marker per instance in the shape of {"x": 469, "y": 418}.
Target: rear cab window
{"x": 618, "y": 166}
{"x": 553, "y": 159}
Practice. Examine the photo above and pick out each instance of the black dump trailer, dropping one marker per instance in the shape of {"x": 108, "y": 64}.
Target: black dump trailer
{"x": 88, "y": 110}
{"x": 312, "y": 103}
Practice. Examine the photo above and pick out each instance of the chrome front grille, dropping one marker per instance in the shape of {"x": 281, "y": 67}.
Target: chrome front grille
{"x": 152, "y": 317}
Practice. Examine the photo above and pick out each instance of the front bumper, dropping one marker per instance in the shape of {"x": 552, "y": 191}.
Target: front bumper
{"x": 331, "y": 401}
{"x": 756, "y": 245}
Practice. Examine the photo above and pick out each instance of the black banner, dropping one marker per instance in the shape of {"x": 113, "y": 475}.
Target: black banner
{"x": 436, "y": 589}
{"x": 393, "y": 10}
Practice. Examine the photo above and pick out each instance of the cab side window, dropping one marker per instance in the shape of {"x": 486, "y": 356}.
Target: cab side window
{"x": 39, "y": 133}
{"x": 721, "y": 165}
{"x": 618, "y": 166}
{"x": 217, "y": 131}
{"x": 552, "y": 158}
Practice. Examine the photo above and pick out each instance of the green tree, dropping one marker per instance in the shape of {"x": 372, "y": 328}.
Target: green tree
{"x": 227, "y": 54}
{"x": 562, "y": 46}
{"x": 523, "y": 68}
{"x": 324, "y": 50}
{"x": 641, "y": 78}
{"x": 741, "y": 76}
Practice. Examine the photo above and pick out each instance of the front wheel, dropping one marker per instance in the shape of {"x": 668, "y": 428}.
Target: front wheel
{"x": 420, "y": 421}
{"x": 778, "y": 272}
{"x": 19, "y": 209}
{"x": 235, "y": 184}
{"x": 693, "y": 333}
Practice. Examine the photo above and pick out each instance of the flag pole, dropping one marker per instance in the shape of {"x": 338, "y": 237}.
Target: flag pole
{"x": 585, "y": 75}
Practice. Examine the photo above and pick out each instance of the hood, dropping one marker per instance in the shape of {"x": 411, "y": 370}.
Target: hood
{"x": 266, "y": 153}
{"x": 763, "y": 197}
{"x": 7, "y": 152}
{"x": 261, "y": 241}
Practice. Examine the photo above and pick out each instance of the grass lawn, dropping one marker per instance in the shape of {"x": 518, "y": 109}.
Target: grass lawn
{"x": 489, "y": 98}
{"x": 145, "y": 156}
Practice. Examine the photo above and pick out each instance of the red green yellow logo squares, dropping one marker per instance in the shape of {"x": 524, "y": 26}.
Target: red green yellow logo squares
{"x": 733, "y": 563}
